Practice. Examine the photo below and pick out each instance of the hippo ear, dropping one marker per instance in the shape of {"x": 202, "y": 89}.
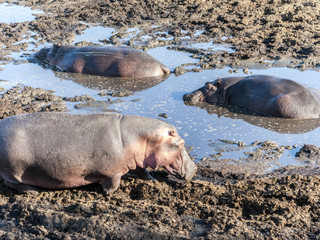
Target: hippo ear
{"x": 57, "y": 45}
{"x": 218, "y": 83}
{"x": 172, "y": 133}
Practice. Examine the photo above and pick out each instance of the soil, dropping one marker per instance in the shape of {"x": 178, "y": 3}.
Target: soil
{"x": 24, "y": 99}
{"x": 226, "y": 206}
{"x": 285, "y": 32}
{"x": 228, "y": 202}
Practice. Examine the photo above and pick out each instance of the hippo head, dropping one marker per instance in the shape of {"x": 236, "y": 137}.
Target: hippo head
{"x": 44, "y": 53}
{"x": 47, "y": 55}
{"x": 166, "y": 149}
{"x": 210, "y": 93}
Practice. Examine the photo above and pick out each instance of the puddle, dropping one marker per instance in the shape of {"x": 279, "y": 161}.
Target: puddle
{"x": 197, "y": 126}
{"x": 171, "y": 58}
{"x": 95, "y": 34}
{"x": 11, "y": 13}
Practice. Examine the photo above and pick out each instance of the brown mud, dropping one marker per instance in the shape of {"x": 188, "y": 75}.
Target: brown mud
{"x": 228, "y": 206}
{"x": 283, "y": 31}
{"x": 231, "y": 201}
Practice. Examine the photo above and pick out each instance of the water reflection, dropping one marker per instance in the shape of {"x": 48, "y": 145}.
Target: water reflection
{"x": 111, "y": 84}
{"x": 280, "y": 125}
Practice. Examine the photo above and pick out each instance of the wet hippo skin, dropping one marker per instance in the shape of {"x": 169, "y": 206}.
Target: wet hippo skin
{"x": 104, "y": 61}
{"x": 268, "y": 95}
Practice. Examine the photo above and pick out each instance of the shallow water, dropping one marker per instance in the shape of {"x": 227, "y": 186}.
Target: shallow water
{"x": 10, "y": 13}
{"x": 199, "y": 128}
{"x": 95, "y": 34}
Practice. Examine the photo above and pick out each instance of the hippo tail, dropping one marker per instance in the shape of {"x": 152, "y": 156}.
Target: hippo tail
{"x": 165, "y": 69}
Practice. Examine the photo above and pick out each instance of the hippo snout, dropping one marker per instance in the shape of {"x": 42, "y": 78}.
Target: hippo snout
{"x": 193, "y": 97}
{"x": 42, "y": 54}
{"x": 189, "y": 168}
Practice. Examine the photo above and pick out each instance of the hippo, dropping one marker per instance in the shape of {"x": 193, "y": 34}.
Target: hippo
{"x": 103, "y": 61}
{"x": 64, "y": 150}
{"x": 267, "y": 95}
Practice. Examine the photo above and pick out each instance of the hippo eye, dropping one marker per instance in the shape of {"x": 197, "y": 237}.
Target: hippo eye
{"x": 210, "y": 86}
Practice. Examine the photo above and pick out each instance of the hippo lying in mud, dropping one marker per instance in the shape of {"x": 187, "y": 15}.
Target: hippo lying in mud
{"x": 104, "y": 61}
{"x": 271, "y": 96}
{"x": 61, "y": 150}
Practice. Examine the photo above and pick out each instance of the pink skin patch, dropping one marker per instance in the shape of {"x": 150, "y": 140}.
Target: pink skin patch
{"x": 164, "y": 151}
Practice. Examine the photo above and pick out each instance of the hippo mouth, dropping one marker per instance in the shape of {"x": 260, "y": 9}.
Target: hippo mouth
{"x": 195, "y": 97}
{"x": 174, "y": 172}
{"x": 187, "y": 170}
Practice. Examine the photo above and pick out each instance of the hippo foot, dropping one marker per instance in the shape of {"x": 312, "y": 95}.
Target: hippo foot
{"x": 22, "y": 188}
{"x": 109, "y": 185}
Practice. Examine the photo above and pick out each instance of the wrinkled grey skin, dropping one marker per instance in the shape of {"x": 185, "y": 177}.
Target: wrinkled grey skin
{"x": 104, "y": 61}
{"x": 271, "y": 96}
{"x": 62, "y": 150}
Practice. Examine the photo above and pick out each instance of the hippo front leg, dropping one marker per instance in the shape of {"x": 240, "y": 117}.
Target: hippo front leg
{"x": 143, "y": 173}
{"x": 109, "y": 185}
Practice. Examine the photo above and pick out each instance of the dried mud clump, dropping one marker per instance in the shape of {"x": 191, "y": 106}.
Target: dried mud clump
{"x": 309, "y": 151}
{"x": 24, "y": 99}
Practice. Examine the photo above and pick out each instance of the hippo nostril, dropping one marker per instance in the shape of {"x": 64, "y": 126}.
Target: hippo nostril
{"x": 192, "y": 97}
{"x": 186, "y": 97}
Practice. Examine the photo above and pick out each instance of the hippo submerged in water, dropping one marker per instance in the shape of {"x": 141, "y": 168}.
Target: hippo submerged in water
{"x": 271, "y": 96}
{"x": 61, "y": 150}
{"x": 104, "y": 61}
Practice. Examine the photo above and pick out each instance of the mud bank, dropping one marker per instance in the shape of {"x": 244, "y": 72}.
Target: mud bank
{"x": 224, "y": 201}
{"x": 285, "y": 32}
{"x": 23, "y": 99}
{"x": 277, "y": 206}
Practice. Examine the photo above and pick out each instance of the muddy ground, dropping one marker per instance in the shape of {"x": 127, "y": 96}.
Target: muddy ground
{"x": 226, "y": 202}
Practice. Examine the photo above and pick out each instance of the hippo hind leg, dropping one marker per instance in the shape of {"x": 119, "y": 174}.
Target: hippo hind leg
{"x": 293, "y": 106}
{"x": 76, "y": 66}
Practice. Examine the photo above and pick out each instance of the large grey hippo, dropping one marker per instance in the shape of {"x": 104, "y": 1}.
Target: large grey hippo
{"x": 104, "y": 61}
{"x": 62, "y": 150}
{"x": 271, "y": 96}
